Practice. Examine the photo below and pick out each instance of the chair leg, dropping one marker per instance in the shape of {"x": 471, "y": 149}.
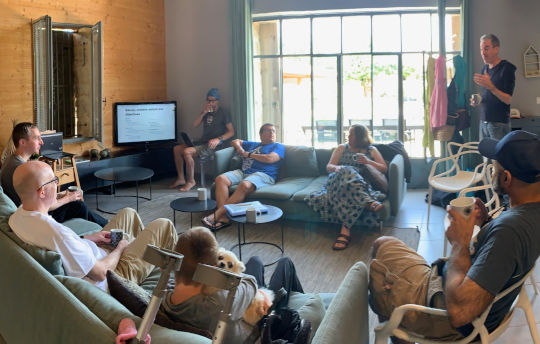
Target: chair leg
{"x": 535, "y": 286}
{"x": 429, "y": 206}
{"x": 525, "y": 304}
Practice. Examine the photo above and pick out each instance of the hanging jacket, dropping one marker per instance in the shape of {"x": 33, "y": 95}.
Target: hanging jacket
{"x": 459, "y": 78}
{"x": 439, "y": 101}
{"x": 427, "y": 139}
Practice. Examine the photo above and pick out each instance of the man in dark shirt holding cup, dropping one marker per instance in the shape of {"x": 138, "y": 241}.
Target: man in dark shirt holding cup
{"x": 497, "y": 80}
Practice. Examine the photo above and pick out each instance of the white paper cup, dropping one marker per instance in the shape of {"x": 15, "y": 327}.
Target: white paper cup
{"x": 251, "y": 214}
{"x": 201, "y": 194}
{"x": 463, "y": 205}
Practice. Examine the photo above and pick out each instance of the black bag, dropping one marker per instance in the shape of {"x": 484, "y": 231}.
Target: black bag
{"x": 441, "y": 198}
{"x": 284, "y": 326}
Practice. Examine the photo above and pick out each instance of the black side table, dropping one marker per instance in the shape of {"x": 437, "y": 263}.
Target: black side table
{"x": 191, "y": 205}
{"x": 124, "y": 174}
{"x": 273, "y": 214}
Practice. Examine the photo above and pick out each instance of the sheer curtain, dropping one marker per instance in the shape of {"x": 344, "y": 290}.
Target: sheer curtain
{"x": 242, "y": 68}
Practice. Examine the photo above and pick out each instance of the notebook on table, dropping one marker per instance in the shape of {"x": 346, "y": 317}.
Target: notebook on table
{"x": 240, "y": 208}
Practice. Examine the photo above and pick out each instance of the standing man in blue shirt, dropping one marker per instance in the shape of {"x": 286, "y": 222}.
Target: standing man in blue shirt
{"x": 498, "y": 80}
{"x": 260, "y": 166}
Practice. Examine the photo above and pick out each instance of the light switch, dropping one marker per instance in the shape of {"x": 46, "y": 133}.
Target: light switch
{"x": 537, "y": 100}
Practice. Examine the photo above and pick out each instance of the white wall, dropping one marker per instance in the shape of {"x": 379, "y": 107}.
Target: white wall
{"x": 516, "y": 25}
{"x": 198, "y": 56}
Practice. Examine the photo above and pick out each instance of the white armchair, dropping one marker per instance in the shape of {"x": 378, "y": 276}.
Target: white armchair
{"x": 454, "y": 179}
{"x": 391, "y": 327}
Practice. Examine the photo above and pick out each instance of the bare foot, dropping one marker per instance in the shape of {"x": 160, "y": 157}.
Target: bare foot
{"x": 188, "y": 186}
{"x": 177, "y": 183}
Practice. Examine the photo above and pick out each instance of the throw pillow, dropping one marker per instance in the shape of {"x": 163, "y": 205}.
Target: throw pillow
{"x": 49, "y": 260}
{"x": 313, "y": 310}
{"x": 300, "y": 161}
{"x": 136, "y": 299}
{"x": 7, "y": 207}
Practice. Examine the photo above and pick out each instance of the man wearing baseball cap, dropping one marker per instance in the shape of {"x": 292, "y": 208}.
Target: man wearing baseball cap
{"x": 505, "y": 250}
{"x": 217, "y": 132}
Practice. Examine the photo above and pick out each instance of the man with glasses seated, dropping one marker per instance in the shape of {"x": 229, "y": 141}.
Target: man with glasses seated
{"x": 27, "y": 141}
{"x": 88, "y": 256}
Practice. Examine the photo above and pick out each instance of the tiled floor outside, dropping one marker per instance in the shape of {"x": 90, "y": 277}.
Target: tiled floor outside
{"x": 414, "y": 213}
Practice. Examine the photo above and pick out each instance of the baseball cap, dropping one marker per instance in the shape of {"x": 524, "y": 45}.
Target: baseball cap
{"x": 517, "y": 152}
{"x": 213, "y": 92}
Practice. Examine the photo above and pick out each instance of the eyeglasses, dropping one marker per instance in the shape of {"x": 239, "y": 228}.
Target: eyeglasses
{"x": 55, "y": 180}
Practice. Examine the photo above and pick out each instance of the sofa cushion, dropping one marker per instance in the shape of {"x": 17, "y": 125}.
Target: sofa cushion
{"x": 323, "y": 157}
{"x": 300, "y": 161}
{"x": 282, "y": 190}
{"x": 103, "y": 305}
{"x": 49, "y": 260}
{"x": 136, "y": 299}
{"x": 315, "y": 185}
{"x": 313, "y": 310}
{"x": 7, "y": 207}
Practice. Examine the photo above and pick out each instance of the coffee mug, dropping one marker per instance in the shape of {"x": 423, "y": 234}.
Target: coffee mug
{"x": 463, "y": 205}
{"x": 201, "y": 193}
{"x": 251, "y": 214}
{"x": 116, "y": 236}
{"x": 476, "y": 99}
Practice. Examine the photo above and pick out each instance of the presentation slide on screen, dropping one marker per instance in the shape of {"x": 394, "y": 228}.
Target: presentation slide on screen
{"x": 145, "y": 122}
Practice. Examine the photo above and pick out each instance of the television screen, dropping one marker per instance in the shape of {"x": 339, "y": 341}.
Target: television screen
{"x": 147, "y": 122}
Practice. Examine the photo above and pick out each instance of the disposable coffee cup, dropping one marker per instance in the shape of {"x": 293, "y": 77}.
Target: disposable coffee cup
{"x": 476, "y": 99}
{"x": 463, "y": 205}
{"x": 251, "y": 214}
{"x": 116, "y": 236}
{"x": 202, "y": 194}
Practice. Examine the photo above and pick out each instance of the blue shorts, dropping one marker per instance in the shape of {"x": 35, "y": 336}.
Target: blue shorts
{"x": 259, "y": 179}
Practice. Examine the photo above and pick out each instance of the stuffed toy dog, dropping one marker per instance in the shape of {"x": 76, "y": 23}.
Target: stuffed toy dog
{"x": 263, "y": 298}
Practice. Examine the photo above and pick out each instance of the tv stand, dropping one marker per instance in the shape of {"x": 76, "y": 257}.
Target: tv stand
{"x": 159, "y": 159}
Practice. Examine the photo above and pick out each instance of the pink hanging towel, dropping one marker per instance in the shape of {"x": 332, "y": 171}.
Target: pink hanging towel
{"x": 439, "y": 100}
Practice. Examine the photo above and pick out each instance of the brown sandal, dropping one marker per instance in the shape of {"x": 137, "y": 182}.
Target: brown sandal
{"x": 340, "y": 240}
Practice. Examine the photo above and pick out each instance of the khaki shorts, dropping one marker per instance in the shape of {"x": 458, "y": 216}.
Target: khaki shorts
{"x": 398, "y": 276}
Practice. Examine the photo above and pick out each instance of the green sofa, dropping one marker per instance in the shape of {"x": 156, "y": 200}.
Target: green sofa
{"x": 41, "y": 305}
{"x": 303, "y": 172}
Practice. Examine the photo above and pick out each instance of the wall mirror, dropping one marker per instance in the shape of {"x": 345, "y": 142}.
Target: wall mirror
{"x": 68, "y": 78}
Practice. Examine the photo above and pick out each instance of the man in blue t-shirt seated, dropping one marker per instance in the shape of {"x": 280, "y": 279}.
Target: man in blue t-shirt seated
{"x": 504, "y": 251}
{"x": 260, "y": 166}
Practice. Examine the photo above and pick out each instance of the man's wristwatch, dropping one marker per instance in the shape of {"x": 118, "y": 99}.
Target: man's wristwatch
{"x": 220, "y": 139}
{"x": 249, "y": 154}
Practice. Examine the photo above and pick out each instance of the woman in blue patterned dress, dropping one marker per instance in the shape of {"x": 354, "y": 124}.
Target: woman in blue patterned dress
{"x": 347, "y": 192}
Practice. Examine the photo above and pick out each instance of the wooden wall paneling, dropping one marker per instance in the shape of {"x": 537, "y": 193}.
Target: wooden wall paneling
{"x": 133, "y": 52}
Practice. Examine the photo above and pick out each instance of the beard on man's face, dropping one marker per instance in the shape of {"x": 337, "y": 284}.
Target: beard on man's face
{"x": 497, "y": 184}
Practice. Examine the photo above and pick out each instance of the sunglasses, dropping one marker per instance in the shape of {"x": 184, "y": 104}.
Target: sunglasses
{"x": 55, "y": 180}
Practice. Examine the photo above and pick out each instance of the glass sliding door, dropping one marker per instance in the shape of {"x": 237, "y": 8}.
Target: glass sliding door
{"x": 325, "y": 102}
{"x": 296, "y": 117}
{"x": 385, "y": 98}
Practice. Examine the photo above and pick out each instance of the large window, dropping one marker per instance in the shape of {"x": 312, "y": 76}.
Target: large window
{"x": 317, "y": 75}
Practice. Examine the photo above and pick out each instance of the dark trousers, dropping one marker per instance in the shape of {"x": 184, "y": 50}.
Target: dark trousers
{"x": 77, "y": 209}
{"x": 283, "y": 277}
